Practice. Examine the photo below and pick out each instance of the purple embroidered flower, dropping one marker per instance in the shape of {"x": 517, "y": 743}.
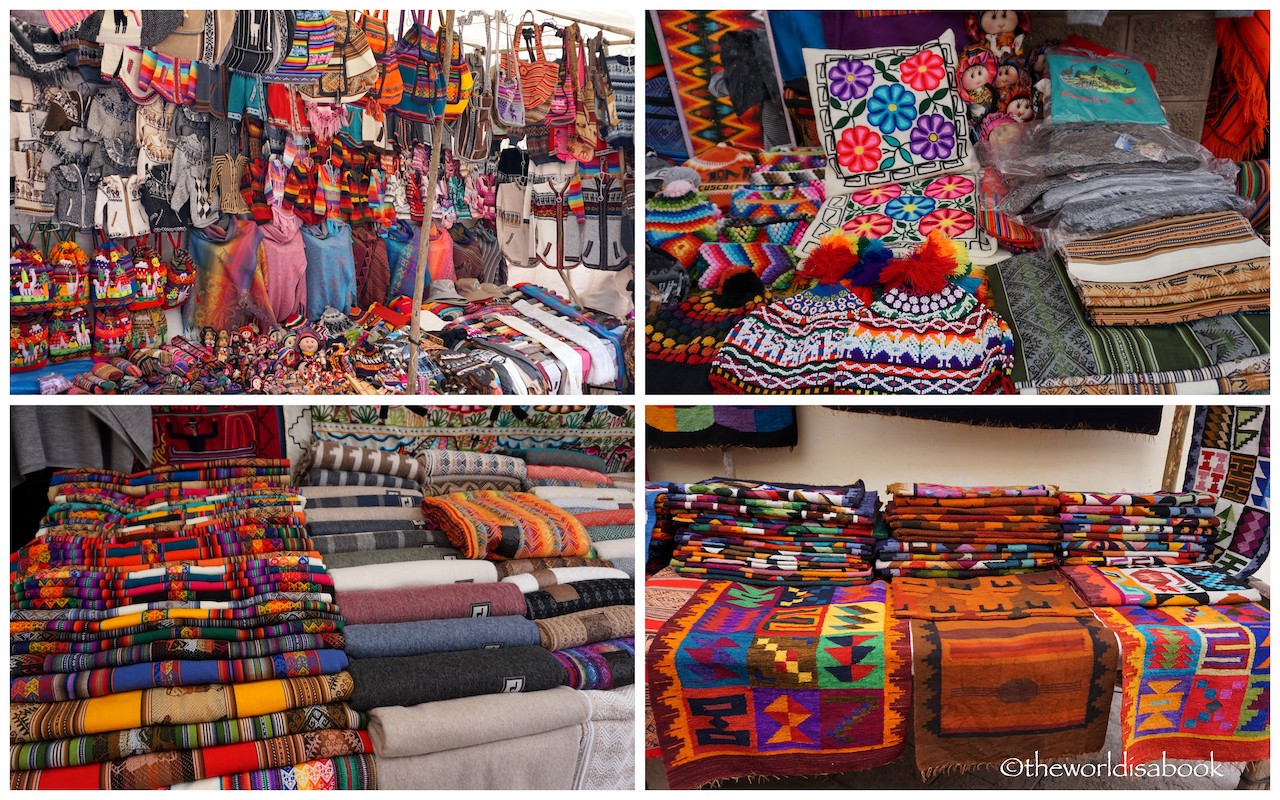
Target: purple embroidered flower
{"x": 933, "y": 137}
{"x": 850, "y": 79}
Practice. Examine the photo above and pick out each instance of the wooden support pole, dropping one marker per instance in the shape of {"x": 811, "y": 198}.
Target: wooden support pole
{"x": 428, "y": 208}
{"x": 600, "y": 25}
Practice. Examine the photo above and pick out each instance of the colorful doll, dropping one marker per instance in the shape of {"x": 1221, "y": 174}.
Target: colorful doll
{"x": 977, "y": 70}
{"x": 1038, "y": 61}
{"x": 998, "y": 130}
{"x": 1017, "y": 103}
{"x": 1010, "y": 72}
{"x": 1001, "y": 32}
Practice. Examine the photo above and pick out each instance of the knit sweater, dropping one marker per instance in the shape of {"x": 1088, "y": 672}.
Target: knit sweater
{"x": 331, "y": 269}
{"x": 191, "y": 186}
{"x": 118, "y": 211}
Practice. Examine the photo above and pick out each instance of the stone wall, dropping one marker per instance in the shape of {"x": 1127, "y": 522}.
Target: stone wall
{"x": 1180, "y": 45}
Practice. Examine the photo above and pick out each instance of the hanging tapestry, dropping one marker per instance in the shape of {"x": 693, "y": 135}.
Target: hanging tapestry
{"x": 1130, "y": 419}
{"x": 780, "y": 680}
{"x": 186, "y": 434}
{"x": 604, "y": 431}
{"x": 902, "y": 214}
{"x": 1230, "y": 457}
{"x": 690, "y": 44}
{"x": 1197, "y": 681}
{"x": 676, "y": 427}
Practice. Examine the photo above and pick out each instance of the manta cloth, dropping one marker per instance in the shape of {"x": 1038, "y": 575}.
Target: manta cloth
{"x": 506, "y": 525}
{"x": 780, "y": 680}
{"x": 1152, "y": 587}
{"x": 1197, "y": 681}
{"x": 1039, "y": 594}
{"x": 991, "y": 689}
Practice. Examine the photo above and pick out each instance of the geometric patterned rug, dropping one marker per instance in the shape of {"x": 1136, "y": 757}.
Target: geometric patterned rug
{"x": 1230, "y": 457}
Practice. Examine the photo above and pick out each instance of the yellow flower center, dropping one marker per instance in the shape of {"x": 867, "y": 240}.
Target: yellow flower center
{"x": 908, "y": 206}
{"x": 893, "y": 106}
{"x": 857, "y": 150}
{"x": 933, "y": 137}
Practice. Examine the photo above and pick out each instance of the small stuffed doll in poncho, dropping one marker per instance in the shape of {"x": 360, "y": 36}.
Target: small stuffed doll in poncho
{"x": 1016, "y": 102}
{"x": 1001, "y": 32}
{"x": 975, "y": 75}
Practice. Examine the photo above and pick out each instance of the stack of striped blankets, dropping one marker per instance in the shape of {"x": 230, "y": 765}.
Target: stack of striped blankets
{"x": 766, "y": 533}
{"x": 491, "y": 633}
{"x": 1134, "y": 530}
{"x": 176, "y": 628}
{"x": 965, "y": 531}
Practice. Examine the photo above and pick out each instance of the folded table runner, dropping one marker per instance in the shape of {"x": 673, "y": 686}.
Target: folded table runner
{"x": 445, "y": 725}
{"x": 30, "y": 722}
{"x": 587, "y": 627}
{"x": 171, "y": 649}
{"x": 506, "y": 525}
{"x": 940, "y": 491}
{"x": 58, "y": 687}
{"x": 337, "y": 477}
{"x": 525, "y": 565}
{"x": 158, "y": 770}
{"x": 362, "y": 558}
{"x": 331, "y": 456}
{"x": 357, "y": 771}
{"x": 410, "y": 680}
{"x": 378, "y": 540}
{"x": 834, "y": 697}
{"x": 600, "y": 665}
{"x": 116, "y": 745}
{"x": 1196, "y": 681}
{"x": 458, "y": 600}
{"x": 380, "y": 577}
{"x": 439, "y": 636}
{"x": 1152, "y": 587}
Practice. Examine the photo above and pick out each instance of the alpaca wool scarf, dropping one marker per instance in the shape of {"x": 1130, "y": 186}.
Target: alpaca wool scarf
{"x": 318, "y": 496}
{"x": 180, "y": 649}
{"x": 30, "y": 722}
{"x": 117, "y": 745}
{"x": 459, "y": 600}
{"x": 356, "y": 516}
{"x": 337, "y": 477}
{"x": 440, "y": 636}
{"x": 541, "y": 579}
{"x": 506, "y": 525}
{"x": 1177, "y": 661}
{"x": 587, "y": 627}
{"x": 357, "y": 771}
{"x": 562, "y": 477}
{"x": 156, "y": 770}
{"x": 601, "y": 665}
{"x": 380, "y": 577}
{"x": 378, "y": 540}
{"x": 366, "y": 557}
{"x": 331, "y": 456}
{"x": 526, "y": 565}
{"x": 410, "y": 680}
{"x": 571, "y": 597}
{"x": 1153, "y": 587}
{"x": 615, "y": 548}
{"x": 447, "y": 725}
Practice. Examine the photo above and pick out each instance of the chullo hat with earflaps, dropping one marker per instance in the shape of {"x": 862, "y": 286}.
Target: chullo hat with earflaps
{"x": 924, "y": 335}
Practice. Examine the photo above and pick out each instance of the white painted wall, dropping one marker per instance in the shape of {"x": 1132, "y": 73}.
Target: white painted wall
{"x": 840, "y": 447}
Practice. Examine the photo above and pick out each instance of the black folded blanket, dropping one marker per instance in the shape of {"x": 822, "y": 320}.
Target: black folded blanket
{"x": 410, "y": 680}
{"x": 580, "y": 596}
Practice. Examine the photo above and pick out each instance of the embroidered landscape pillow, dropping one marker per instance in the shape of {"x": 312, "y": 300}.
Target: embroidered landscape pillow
{"x": 889, "y": 114}
{"x": 903, "y": 214}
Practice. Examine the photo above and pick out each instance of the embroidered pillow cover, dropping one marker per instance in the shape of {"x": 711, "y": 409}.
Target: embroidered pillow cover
{"x": 903, "y": 214}
{"x": 889, "y": 114}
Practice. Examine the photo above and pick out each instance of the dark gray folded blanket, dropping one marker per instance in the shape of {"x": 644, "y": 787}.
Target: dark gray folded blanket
{"x": 409, "y": 680}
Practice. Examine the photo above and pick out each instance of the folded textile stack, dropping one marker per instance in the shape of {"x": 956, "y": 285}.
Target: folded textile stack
{"x": 962, "y": 531}
{"x": 766, "y": 533}
{"x": 1172, "y": 270}
{"x": 175, "y": 628}
{"x": 606, "y": 510}
{"x": 1129, "y": 530}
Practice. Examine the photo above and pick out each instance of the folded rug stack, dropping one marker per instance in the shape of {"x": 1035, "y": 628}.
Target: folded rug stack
{"x": 176, "y": 628}
{"x": 1178, "y": 269}
{"x": 1129, "y": 530}
{"x": 755, "y": 532}
{"x": 961, "y": 531}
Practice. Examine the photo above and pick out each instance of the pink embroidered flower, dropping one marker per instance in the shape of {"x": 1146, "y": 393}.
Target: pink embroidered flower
{"x": 872, "y": 226}
{"x": 949, "y": 187}
{"x": 950, "y": 221}
{"x": 923, "y": 71}
{"x": 877, "y": 195}
{"x": 859, "y": 149}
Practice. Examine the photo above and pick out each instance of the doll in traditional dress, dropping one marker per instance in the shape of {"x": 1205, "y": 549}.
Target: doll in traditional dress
{"x": 1001, "y": 32}
{"x": 977, "y": 70}
{"x": 1017, "y": 103}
